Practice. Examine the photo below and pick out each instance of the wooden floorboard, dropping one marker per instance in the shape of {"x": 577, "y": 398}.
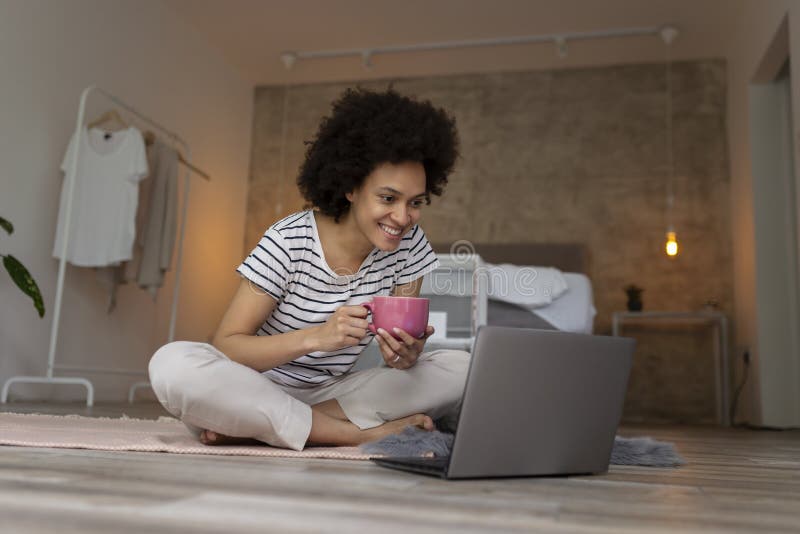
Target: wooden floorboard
{"x": 736, "y": 480}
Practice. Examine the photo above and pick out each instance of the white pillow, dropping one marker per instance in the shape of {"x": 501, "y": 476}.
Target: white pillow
{"x": 528, "y": 286}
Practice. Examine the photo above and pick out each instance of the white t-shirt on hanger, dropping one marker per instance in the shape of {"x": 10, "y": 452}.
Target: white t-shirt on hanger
{"x": 105, "y": 197}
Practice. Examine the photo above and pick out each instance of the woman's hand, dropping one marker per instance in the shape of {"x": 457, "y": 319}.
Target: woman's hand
{"x": 345, "y": 328}
{"x": 402, "y": 353}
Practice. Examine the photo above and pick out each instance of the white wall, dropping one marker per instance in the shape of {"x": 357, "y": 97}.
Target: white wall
{"x": 772, "y": 393}
{"x": 145, "y": 53}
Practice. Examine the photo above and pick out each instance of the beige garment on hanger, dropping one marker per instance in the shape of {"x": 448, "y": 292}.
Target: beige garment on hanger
{"x": 161, "y": 219}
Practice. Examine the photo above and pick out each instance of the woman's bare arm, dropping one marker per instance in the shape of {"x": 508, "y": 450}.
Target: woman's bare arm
{"x": 236, "y": 334}
{"x": 250, "y": 307}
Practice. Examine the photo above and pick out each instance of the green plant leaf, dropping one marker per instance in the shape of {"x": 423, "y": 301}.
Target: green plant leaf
{"x": 7, "y": 226}
{"x": 24, "y": 281}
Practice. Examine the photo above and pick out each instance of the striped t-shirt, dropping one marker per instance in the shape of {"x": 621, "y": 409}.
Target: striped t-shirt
{"x": 288, "y": 263}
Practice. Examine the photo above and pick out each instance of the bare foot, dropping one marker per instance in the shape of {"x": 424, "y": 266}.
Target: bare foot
{"x": 209, "y": 437}
{"x": 397, "y": 426}
{"x": 330, "y": 431}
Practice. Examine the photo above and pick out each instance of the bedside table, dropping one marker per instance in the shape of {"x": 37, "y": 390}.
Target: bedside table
{"x": 712, "y": 318}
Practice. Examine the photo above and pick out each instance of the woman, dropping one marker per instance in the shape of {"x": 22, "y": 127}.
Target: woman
{"x": 279, "y": 367}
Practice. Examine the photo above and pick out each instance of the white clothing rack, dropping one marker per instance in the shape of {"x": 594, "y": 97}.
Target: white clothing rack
{"x": 49, "y": 378}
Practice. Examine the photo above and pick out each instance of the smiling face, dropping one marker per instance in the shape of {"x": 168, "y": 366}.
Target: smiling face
{"x": 388, "y": 203}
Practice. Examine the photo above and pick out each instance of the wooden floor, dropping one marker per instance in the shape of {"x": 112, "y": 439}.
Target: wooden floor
{"x": 736, "y": 480}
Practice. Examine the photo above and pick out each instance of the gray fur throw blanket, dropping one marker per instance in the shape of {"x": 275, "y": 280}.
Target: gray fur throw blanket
{"x": 626, "y": 451}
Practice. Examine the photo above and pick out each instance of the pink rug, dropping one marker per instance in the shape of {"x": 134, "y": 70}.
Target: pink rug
{"x": 126, "y": 434}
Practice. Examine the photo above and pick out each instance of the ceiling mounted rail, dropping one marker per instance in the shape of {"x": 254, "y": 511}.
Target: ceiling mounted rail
{"x": 560, "y": 40}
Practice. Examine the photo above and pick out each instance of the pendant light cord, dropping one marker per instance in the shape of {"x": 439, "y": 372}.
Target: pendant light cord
{"x": 670, "y": 156}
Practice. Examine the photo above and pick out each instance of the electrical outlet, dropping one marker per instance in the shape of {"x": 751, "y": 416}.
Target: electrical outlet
{"x": 742, "y": 356}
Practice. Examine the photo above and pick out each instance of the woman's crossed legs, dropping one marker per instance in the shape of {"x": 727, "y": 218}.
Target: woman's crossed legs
{"x": 225, "y": 402}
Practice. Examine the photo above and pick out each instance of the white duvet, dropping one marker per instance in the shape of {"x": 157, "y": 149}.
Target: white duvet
{"x": 527, "y": 286}
{"x": 574, "y": 310}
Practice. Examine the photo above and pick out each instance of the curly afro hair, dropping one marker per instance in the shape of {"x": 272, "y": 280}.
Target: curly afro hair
{"x": 367, "y": 129}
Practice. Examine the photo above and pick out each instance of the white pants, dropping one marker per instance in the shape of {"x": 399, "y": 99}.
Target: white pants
{"x": 206, "y": 390}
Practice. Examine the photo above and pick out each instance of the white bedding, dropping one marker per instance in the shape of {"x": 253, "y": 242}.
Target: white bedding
{"x": 526, "y": 286}
{"x": 574, "y": 310}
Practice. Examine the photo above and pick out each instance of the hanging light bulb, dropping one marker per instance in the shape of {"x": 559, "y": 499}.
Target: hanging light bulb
{"x": 671, "y": 246}
{"x": 668, "y": 34}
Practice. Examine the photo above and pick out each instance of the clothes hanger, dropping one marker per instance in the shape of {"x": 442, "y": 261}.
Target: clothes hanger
{"x": 107, "y": 119}
{"x": 150, "y": 139}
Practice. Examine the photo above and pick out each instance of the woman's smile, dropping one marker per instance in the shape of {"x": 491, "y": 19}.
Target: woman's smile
{"x": 391, "y": 233}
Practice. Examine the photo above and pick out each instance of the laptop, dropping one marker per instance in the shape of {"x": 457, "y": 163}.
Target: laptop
{"x": 536, "y": 403}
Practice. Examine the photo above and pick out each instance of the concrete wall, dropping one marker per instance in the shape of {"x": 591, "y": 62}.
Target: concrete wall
{"x": 146, "y": 54}
{"x": 565, "y": 156}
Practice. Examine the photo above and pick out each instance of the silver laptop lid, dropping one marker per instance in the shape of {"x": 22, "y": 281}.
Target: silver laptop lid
{"x": 540, "y": 402}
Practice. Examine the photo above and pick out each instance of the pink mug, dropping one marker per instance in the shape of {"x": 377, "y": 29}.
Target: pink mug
{"x": 406, "y": 313}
